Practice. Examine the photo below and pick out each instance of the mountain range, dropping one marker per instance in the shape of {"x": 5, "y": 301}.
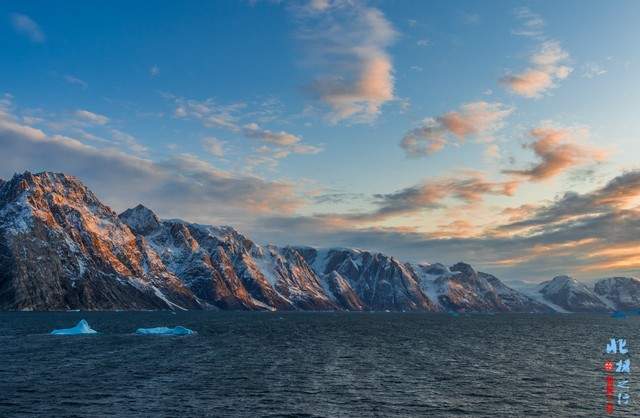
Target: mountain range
{"x": 61, "y": 248}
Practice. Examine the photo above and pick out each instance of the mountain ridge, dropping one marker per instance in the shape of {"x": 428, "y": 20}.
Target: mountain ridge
{"x": 62, "y": 248}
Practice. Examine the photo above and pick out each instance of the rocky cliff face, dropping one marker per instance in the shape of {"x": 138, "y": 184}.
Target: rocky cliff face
{"x": 366, "y": 280}
{"x": 376, "y": 281}
{"x": 227, "y": 269}
{"x": 623, "y": 292}
{"x": 461, "y": 288}
{"x": 61, "y": 248}
{"x": 573, "y": 296}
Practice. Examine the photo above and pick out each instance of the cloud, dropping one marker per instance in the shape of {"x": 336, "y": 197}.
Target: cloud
{"x": 548, "y": 67}
{"x": 76, "y": 81}
{"x": 277, "y": 145}
{"x": 492, "y": 151}
{"x": 154, "y": 71}
{"x": 579, "y": 234}
{"x": 91, "y": 117}
{"x": 595, "y": 229}
{"x": 423, "y": 42}
{"x": 473, "y": 119}
{"x": 197, "y": 190}
{"x": 213, "y": 146}
{"x": 558, "y": 152}
{"x": 471, "y": 18}
{"x": 252, "y": 130}
{"x": 592, "y": 70}
{"x": 274, "y": 145}
{"x": 459, "y": 228}
{"x": 24, "y": 25}
{"x": 532, "y": 24}
{"x": 319, "y": 5}
{"x": 210, "y": 113}
{"x": 346, "y": 42}
{"x": 466, "y": 187}
{"x": 129, "y": 141}
{"x": 618, "y": 195}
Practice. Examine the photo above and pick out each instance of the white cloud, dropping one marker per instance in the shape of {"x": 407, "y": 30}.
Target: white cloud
{"x": 213, "y": 146}
{"x": 253, "y": 130}
{"x": 129, "y": 140}
{"x": 91, "y": 117}
{"x": 210, "y": 113}
{"x": 75, "y": 80}
{"x": 592, "y": 70}
{"x": 26, "y": 26}
{"x": 230, "y": 117}
{"x": 532, "y": 24}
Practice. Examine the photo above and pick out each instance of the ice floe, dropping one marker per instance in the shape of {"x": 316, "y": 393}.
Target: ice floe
{"x": 81, "y": 328}
{"x": 165, "y": 331}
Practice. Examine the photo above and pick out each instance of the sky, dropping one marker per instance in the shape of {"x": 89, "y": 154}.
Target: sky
{"x": 503, "y": 134}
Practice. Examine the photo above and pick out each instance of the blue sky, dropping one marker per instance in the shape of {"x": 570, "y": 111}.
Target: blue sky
{"x": 425, "y": 129}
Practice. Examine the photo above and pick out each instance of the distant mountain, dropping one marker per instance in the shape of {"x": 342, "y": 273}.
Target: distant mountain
{"x": 565, "y": 294}
{"x": 61, "y": 248}
{"x": 622, "y": 292}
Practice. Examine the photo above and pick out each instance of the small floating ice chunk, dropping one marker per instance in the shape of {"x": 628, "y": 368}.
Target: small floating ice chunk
{"x": 165, "y": 331}
{"x": 81, "y": 328}
{"x": 618, "y": 315}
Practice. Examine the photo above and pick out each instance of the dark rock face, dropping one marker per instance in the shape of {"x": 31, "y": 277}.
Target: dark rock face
{"x": 572, "y": 295}
{"x": 371, "y": 281}
{"x": 623, "y": 292}
{"x": 227, "y": 269}
{"x": 63, "y": 249}
{"x": 462, "y": 289}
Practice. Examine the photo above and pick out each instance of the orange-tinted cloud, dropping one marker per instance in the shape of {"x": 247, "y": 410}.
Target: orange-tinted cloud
{"x": 457, "y": 228}
{"x": 347, "y": 43}
{"x": 558, "y": 152}
{"x": 548, "y": 66}
{"x": 468, "y": 188}
{"x": 472, "y": 119}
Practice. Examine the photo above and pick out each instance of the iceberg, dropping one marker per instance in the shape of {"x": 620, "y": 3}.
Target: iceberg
{"x": 165, "y": 331}
{"x": 81, "y": 328}
{"x": 618, "y": 315}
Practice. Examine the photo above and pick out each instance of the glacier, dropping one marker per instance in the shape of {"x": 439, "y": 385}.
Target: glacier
{"x": 165, "y": 331}
{"x": 81, "y": 328}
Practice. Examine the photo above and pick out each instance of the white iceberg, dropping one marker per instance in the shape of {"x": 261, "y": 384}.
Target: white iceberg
{"x": 165, "y": 331}
{"x": 81, "y": 328}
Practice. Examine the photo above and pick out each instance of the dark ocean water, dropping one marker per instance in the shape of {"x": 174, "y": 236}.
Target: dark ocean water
{"x": 253, "y": 364}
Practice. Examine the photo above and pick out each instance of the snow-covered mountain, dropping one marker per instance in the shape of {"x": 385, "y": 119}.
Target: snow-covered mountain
{"x": 227, "y": 269}
{"x": 622, "y": 292}
{"x": 360, "y": 279}
{"x": 462, "y": 288}
{"x": 377, "y": 281}
{"x": 61, "y": 248}
{"x": 570, "y": 295}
